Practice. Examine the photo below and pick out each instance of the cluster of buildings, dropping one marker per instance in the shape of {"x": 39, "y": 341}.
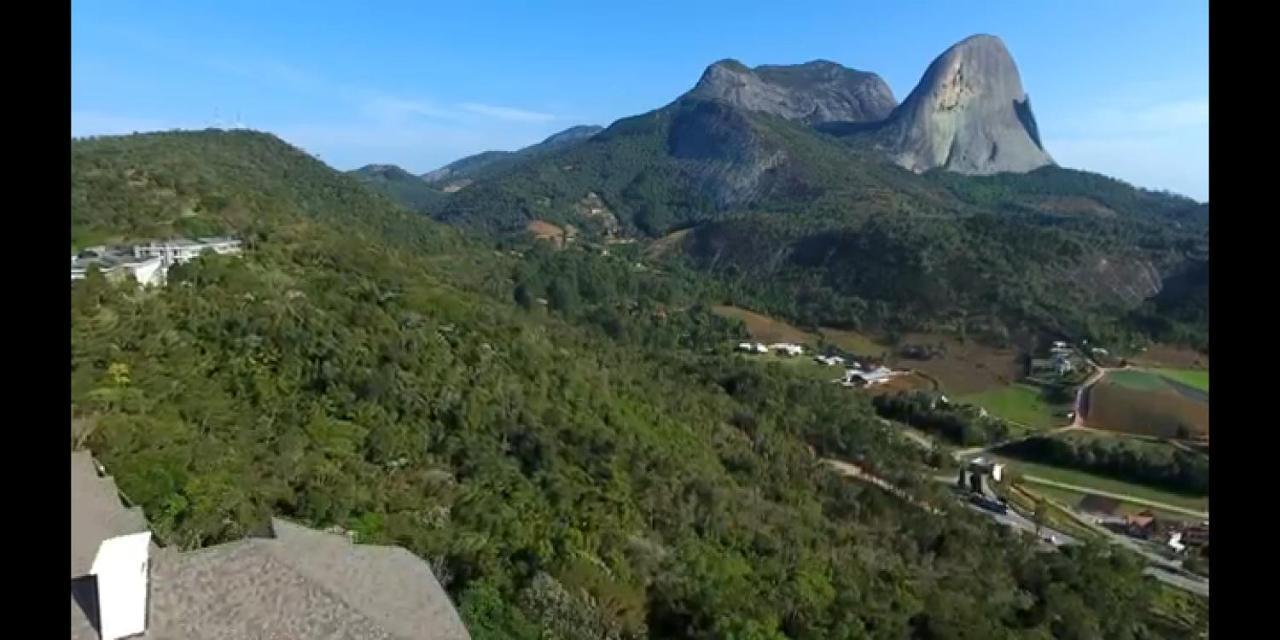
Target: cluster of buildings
{"x": 1175, "y": 536}
{"x": 147, "y": 263}
{"x": 856, "y": 375}
{"x": 1058, "y": 363}
{"x": 292, "y": 582}
{"x": 859, "y": 377}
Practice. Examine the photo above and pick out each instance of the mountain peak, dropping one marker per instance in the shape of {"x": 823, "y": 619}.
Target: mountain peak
{"x": 968, "y": 114}
{"x": 813, "y": 92}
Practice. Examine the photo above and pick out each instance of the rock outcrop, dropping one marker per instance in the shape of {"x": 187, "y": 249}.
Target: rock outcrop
{"x": 813, "y": 92}
{"x": 969, "y": 114}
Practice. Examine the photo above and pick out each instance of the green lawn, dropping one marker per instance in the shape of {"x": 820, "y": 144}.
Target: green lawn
{"x": 1020, "y": 403}
{"x": 1104, "y": 483}
{"x": 1195, "y": 378}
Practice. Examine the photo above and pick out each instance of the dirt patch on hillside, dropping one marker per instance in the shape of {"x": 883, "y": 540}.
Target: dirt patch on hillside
{"x": 543, "y": 230}
{"x": 662, "y": 246}
{"x": 764, "y": 328}
{"x": 967, "y": 367}
{"x": 909, "y": 382}
{"x": 592, "y": 207}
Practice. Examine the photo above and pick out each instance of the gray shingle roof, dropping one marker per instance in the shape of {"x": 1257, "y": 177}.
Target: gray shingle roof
{"x": 300, "y": 584}
{"x": 96, "y": 512}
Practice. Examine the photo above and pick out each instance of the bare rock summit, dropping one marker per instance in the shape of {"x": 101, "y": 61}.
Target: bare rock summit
{"x": 969, "y": 114}
{"x": 813, "y": 92}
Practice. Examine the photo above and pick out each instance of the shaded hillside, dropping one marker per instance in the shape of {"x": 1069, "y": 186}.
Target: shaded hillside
{"x": 563, "y": 482}
{"x": 400, "y": 185}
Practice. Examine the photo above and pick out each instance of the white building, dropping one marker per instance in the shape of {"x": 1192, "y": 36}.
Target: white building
{"x": 871, "y": 378}
{"x": 116, "y": 265}
{"x": 180, "y": 250}
{"x": 120, "y": 568}
{"x": 147, "y": 263}
{"x": 787, "y": 349}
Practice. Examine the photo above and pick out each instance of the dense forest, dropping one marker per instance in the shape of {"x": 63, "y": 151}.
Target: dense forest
{"x": 595, "y": 466}
{"x": 1151, "y": 463}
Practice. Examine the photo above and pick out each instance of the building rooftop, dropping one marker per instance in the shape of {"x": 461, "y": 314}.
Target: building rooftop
{"x": 299, "y": 583}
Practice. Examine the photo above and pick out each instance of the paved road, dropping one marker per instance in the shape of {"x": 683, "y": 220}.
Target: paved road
{"x": 1118, "y": 496}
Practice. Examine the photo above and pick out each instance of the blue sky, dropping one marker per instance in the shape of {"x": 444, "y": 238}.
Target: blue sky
{"x": 1118, "y": 87}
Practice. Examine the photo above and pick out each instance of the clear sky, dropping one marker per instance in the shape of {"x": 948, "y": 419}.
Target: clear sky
{"x": 1118, "y": 87}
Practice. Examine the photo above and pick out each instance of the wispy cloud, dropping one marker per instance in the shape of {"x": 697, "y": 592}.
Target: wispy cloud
{"x": 506, "y": 113}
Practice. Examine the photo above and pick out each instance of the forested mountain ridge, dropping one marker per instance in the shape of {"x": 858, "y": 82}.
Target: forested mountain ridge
{"x": 362, "y": 366}
{"x": 404, "y": 187}
{"x": 460, "y": 173}
{"x": 819, "y": 224}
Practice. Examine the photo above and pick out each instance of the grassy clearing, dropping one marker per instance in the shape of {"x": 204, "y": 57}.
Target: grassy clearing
{"x": 1020, "y": 403}
{"x": 1103, "y": 483}
{"x": 1137, "y": 380}
{"x": 1194, "y": 378}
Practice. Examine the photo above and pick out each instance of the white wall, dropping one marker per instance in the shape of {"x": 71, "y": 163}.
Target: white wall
{"x": 121, "y": 568}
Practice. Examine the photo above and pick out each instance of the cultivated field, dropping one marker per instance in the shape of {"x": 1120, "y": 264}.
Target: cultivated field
{"x": 1147, "y": 404}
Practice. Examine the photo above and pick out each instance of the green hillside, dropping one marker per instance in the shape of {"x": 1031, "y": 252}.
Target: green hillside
{"x": 598, "y": 467}
{"x": 402, "y": 186}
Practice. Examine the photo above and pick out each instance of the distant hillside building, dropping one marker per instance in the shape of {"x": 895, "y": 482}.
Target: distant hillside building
{"x": 180, "y": 250}
{"x": 117, "y": 264}
{"x": 298, "y": 583}
{"x": 147, "y": 263}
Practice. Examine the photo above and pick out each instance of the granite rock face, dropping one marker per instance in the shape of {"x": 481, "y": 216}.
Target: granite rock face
{"x": 813, "y": 92}
{"x": 969, "y": 114}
